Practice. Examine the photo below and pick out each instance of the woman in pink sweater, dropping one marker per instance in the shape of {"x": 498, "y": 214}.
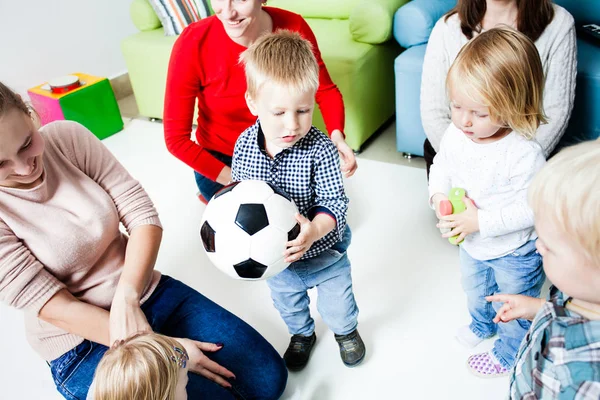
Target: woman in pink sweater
{"x": 83, "y": 284}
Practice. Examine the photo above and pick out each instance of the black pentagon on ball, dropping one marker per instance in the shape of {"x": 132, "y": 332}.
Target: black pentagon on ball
{"x": 252, "y": 218}
{"x": 250, "y": 269}
{"x": 279, "y": 191}
{"x": 294, "y": 232}
{"x": 207, "y": 233}
{"x": 225, "y": 189}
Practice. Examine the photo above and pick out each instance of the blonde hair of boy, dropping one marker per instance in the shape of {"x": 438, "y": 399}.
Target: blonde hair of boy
{"x": 284, "y": 58}
{"x": 567, "y": 192}
{"x": 142, "y": 367}
{"x": 502, "y": 68}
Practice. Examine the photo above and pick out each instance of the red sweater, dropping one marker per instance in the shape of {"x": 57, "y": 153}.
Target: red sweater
{"x": 204, "y": 66}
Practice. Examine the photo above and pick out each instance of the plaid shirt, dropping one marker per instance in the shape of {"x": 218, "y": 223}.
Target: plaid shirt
{"x": 559, "y": 357}
{"x": 309, "y": 172}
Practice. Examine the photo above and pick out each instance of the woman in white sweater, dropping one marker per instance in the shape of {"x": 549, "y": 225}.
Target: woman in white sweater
{"x": 552, "y": 29}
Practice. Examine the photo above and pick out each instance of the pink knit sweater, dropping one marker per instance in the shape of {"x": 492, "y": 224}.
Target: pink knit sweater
{"x": 64, "y": 233}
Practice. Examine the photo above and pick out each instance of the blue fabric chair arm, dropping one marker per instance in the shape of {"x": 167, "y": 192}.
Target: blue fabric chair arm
{"x": 414, "y": 21}
{"x": 584, "y": 11}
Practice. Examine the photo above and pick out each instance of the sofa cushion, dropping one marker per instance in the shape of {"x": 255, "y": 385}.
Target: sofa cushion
{"x": 176, "y": 15}
{"x": 143, "y": 16}
{"x": 337, "y": 48}
{"x": 147, "y": 57}
{"x": 329, "y": 9}
{"x": 371, "y": 21}
{"x": 414, "y": 21}
{"x": 362, "y": 72}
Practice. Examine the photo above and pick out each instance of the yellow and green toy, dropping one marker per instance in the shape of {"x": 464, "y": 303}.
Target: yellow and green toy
{"x": 454, "y": 205}
{"x": 89, "y": 101}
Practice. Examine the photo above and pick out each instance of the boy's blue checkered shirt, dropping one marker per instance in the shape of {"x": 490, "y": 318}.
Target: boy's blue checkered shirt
{"x": 559, "y": 357}
{"x": 309, "y": 172}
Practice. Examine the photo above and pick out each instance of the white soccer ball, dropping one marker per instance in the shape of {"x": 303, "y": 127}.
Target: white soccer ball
{"x": 245, "y": 228}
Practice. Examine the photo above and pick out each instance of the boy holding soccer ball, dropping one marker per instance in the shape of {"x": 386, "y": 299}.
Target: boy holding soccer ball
{"x": 283, "y": 148}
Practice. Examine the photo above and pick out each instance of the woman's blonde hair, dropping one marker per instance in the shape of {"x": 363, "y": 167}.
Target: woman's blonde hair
{"x": 283, "y": 57}
{"x": 566, "y": 191}
{"x": 143, "y": 367}
{"x": 502, "y": 68}
{"x": 10, "y": 100}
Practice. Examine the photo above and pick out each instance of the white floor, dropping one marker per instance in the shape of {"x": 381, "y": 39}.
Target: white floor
{"x": 406, "y": 282}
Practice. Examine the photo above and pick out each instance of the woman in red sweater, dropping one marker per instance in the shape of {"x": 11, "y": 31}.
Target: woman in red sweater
{"x": 204, "y": 67}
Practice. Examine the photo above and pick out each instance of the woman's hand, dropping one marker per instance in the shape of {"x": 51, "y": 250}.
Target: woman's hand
{"x": 202, "y": 365}
{"x": 224, "y": 177}
{"x": 516, "y": 306}
{"x": 461, "y": 224}
{"x": 349, "y": 164}
{"x": 126, "y": 316}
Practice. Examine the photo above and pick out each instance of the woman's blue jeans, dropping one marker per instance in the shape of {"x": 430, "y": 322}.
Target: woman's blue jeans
{"x": 519, "y": 272}
{"x": 206, "y": 186}
{"x": 176, "y": 310}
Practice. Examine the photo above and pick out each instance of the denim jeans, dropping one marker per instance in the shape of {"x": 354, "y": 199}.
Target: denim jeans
{"x": 519, "y": 272}
{"x": 330, "y": 273}
{"x": 177, "y": 310}
{"x": 207, "y": 186}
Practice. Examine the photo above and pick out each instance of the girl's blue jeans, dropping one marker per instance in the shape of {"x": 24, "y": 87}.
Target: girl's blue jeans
{"x": 519, "y": 272}
{"x": 176, "y": 310}
{"x": 330, "y": 273}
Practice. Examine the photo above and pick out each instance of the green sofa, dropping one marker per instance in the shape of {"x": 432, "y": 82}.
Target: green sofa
{"x": 354, "y": 38}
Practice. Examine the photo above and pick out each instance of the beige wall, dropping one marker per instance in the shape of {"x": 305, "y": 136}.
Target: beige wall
{"x": 43, "y": 39}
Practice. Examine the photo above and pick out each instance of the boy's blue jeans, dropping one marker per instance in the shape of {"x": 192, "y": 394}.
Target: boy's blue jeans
{"x": 519, "y": 272}
{"x": 174, "y": 309}
{"x": 330, "y": 273}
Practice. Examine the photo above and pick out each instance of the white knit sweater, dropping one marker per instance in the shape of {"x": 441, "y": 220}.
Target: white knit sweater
{"x": 496, "y": 176}
{"x": 558, "y": 51}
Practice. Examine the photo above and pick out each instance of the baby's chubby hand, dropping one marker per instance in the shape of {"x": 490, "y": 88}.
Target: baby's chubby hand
{"x": 515, "y": 306}
{"x": 309, "y": 233}
{"x": 436, "y": 200}
{"x": 463, "y": 223}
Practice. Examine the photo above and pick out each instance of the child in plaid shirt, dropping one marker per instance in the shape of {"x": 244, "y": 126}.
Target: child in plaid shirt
{"x": 283, "y": 148}
{"x": 560, "y": 355}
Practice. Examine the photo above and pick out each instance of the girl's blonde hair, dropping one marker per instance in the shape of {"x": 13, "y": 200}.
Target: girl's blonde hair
{"x": 283, "y": 57}
{"x": 143, "y": 367}
{"x": 502, "y": 68}
{"x": 566, "y": 191}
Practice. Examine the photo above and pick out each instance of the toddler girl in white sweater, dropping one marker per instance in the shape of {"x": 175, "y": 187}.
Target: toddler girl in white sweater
{"x": 496, "y": 88}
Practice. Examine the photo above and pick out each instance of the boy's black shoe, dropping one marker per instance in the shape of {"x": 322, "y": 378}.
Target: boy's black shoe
{"x": 297, "y": 354}
{"x": 352, "y": 348}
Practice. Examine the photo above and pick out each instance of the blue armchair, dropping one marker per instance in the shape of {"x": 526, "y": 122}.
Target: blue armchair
{"x": 413, "y": 23}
